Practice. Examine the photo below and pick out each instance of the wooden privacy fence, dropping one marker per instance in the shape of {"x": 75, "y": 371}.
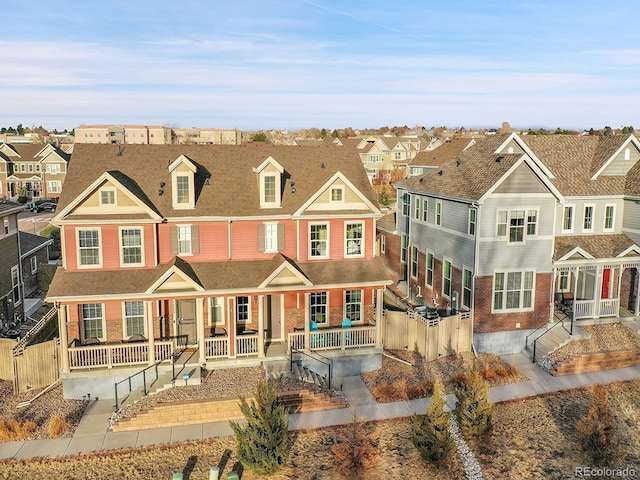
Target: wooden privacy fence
{"x": 430, "y": 338}
{"x": 34, "y": 367}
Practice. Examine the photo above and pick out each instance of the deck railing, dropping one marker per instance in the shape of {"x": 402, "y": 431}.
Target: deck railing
{"x": 216, "y": 347}
{"x": 334, "y": 338}
{"x": 246, "y": 345}
{"x": 609, "y": 307}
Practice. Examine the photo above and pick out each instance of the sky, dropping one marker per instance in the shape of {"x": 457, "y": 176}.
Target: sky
{"x": 291, "y": 64}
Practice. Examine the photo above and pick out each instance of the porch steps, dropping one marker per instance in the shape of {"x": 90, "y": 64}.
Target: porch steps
{"x": 555, "y": 338}
{"x": 307, "y": 401}
{"x": 593, "y": 362}
{"x": 306, "y": 375}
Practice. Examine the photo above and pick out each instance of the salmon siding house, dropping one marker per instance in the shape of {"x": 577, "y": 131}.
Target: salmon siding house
{"x": 237, "y": 251}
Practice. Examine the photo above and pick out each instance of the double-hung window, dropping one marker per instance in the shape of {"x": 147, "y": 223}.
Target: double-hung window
{"x": 89, "y": 248}
{"x": 269, "y": 189}
{"x": 425, "y": 210}
{"x": 216, "y": 310}
{"x": 243, "y": 310}
{"x": 134, "y": 318}
{"x": 383, "y": 243}
{"x": 353, "y": 305}
{"x": 472, "y": 221}
{"x": 429, "y": 270}
{"x": 318, "y": 307}
{"x": 353, "y": 239}
{"x": 15, "y": 285}
{"x": 438, "y": 212}
{"x": 184, "y": 239}
{"x": 587, "y": 225}
{"x": 446, "y": 278}
{"x": 567, "y": 218}
{"x": 131, "y": 245}
{"x": 609, "y": 216}
{"x": 270, "y": 237}
{"x": 416, "y": 206}
{"x": 513, "y": 290}
{"x": 319, "y": 240}
{"x": 516, "y": 224}
{"x": 406, "y": 202}
{"x": 466, "y": 288}
{"x": 92, "y": 321}
{"x": 403, "y": 248}
{"x": 532, "y": 222}
{"x": 414, "y": 261}
{"x": 182, "y": 186}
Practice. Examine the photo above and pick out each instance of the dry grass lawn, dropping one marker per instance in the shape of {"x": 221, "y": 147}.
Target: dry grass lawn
{"x": 532, "y": 439}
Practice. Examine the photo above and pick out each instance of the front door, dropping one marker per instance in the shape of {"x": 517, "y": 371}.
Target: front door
{"x": 186, "y": 319}
{"x": 273, "y": 309}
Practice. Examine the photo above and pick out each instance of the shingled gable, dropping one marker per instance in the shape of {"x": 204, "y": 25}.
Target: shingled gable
{"x": 631, "y": 141}
{"x": 178, "y": 277}
{"x": 339, "y": 176}
{"x": 123, "y": 185}
{"x": 514, "y": 137}
{"x": 594, "y": 247}
{"x": 286, "y": 274}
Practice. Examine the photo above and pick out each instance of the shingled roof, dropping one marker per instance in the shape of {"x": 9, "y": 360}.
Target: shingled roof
{"x": 232, "y": 189}
{"x": 598, "y": 246}
{"x": 442, "y": 154}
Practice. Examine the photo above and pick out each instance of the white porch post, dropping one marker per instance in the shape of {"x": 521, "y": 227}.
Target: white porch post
{"x": 64, "y": 338}
{"x": 597, "y": 294}
{"x": 636, "y": 308}
{"x": 620, "y": 270}
{"x": 260, "y": 326}
{"x": 200, "y": 330}
{"x": 379, "y": 307}
{"x": 307, "y": 323}
{"x": 148, "y": 311}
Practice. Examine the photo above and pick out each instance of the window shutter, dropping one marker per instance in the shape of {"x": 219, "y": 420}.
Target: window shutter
{"x": 173, "y": 234}
{"x": 195, "y": 239}
{"x": 280, "y": 237}
{"x": 261, "y": 237}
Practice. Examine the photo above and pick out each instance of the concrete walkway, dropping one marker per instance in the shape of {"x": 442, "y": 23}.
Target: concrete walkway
{"x": 92, "y": 436}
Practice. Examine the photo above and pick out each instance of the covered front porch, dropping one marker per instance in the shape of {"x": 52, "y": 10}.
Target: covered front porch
{"x": 596, "y": 289}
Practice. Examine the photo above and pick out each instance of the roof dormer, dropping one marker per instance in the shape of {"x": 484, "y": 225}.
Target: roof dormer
{"x": 183, "y": 189}
{"x": 270, "y": 174}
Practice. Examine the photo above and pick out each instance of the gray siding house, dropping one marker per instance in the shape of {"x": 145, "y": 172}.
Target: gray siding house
{"x": 515, "y": 223}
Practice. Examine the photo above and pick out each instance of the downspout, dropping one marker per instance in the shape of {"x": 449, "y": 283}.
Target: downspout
{"x": 476, "y": 256}
{"x": 229, "y": 236}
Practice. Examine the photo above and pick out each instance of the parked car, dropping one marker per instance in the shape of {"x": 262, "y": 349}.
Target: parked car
{"x": 44, "y": 207}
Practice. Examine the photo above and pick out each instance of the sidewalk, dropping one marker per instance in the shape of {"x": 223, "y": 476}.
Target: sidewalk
{"x": 92, "y": 436}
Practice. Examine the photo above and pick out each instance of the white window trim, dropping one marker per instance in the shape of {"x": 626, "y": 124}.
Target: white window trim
{"x": 593, "y": 217}
{"x": 174, "y": 190}
{"x": 426, "y": 268}
{"x": 327, "y": 306}
{"x": 438, "y": 213}
{"x": 344, "y": 304}
{"x": 185, "y": 254}
{"x": 142, "y": 258}
{"x": 383, "y": 243}
{"x": 235, "y": 305}
{"x": 405, "y": 203}
{"x": 210, "y": 323}
{"x": 33, "y": 261}
{"x": 613, "y": 218}
{"x": 362, "y": 240}
{"x": 115, "y": 196}
{"x": 404, "y": 248}
{"x": 526, "y": 222}
{"x": 104, "y": 323}
{"x": 525, "y": 235}
{"x": 16, "y": 269}
{"x": 424, "y": 213}
{"x": 124, "y": 319}
{"x": 339, "y": 188}
{"x": 412, "y": 260}
{"x": 100, "y": 263}
{"x": 274, "y": 244}
{"x": 511, "y": 310}
{"x": 461, "y": 299}
{"x": 328, "y": 225}
{"x": 444, "y": 294}
{"x": 474, "y": 212}
{"x": 573, "y": 217}
{"x": 276, "y": 202}
{"x": 417, "y": 207}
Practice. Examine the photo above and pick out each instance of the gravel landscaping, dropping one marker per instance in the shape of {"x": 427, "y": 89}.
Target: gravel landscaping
{"x": 610, "y": 337}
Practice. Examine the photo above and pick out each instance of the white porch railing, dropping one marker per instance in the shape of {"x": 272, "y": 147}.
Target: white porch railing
{"x": 117, "y": 354}
{"x": 583, "y": 309}
{"x": 216, "y": 347}
{"x": 246, "y": 345}
{"x": 335, "y": 338}
{"x": 609, "y": 307}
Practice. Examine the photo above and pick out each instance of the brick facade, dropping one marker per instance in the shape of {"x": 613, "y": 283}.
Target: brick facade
{"x": 486, "y": 322}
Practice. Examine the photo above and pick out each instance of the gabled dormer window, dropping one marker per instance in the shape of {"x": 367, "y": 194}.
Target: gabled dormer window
{"x": 183, "y": 183}
{"x": 270, "y": 183}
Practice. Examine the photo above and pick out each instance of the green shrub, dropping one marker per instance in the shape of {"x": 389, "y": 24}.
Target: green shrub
{"x": 263, "y": 441}
{"x": 474, "y": 411}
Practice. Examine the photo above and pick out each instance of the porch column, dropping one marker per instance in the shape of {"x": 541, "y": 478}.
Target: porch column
{"x": 379, "y": 308}
{"x": 148, "y": 311}
{"x": 307, "y": 323}
{"x": 200, "y": 330}
{"x": 597, "y": 294}
{"x": 636, "y": 307}
{"x": 233, "y": 325}
{"x": 64, "y": 338}
{"x": 260, "y": 326}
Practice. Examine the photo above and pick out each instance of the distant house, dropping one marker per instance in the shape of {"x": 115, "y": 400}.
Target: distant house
{"x": 428, "y": 160}
{"x": 232, "y": 250}
{"x": 123, "y": 134}
{"x": 514, "y": 223}
{"x": 32, "y": 171}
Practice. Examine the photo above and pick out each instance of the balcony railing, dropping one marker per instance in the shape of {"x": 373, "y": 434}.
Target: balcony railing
{"x": 334, "y": 338}
{"x": 609, "y": 307}
{"x": 216, "y": 347}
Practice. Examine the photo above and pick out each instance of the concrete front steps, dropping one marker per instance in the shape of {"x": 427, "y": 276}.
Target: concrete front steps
{"x": 593, "y": 362}
{"x": 554, "y": 338}
{"x": 206, "y": 411}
